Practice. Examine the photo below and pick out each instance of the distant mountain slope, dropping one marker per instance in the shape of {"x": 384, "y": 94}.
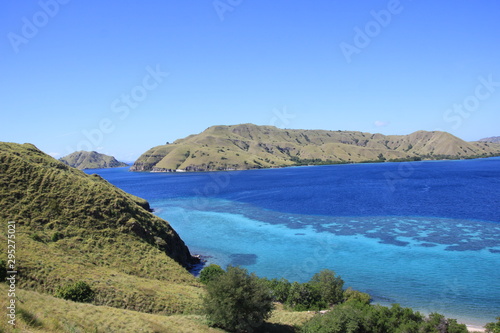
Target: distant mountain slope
{"x": 91, "y": 160}
{"x": 493, "y": 139}
{"x": 249, "y": 146}
{"x": 72, "y": 226}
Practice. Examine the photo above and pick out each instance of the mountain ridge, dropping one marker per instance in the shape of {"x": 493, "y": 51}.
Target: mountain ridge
{"x": 249, "y": 146}
{"x": 493, "y": 139}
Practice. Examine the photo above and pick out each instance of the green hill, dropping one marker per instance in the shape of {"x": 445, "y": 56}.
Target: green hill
{"x": 249, "y": 146}
{"x": 71, "y": 227}
{"x": 91, "y": 160}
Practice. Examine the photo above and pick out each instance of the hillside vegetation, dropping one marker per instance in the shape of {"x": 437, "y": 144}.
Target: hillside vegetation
{"x": 249, "y": 146}
{"x": 91, "y": 160}
{"x": 76, "y": 227}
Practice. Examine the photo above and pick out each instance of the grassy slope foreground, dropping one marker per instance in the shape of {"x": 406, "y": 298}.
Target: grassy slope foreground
{"x": 249, "y": 146}
{"x": 75, "y": 227}
{"x": 91, "y": 160}
{"x": 43, "y": 313}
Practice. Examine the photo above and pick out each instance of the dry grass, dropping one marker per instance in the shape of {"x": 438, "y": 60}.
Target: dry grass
{"x": 37, "y": 312}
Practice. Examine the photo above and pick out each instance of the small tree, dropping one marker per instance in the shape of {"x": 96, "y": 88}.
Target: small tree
{"x": 237, "y": 301}
{"x": 329, "y": 286}
{"x": 78, "y": 292}
{"x": 210, "y": 273}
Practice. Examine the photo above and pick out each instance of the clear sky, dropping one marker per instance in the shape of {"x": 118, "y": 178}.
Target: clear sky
{"x": 121, "y": 77}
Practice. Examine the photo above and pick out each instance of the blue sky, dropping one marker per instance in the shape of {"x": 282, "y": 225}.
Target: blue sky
{"x": 121, "y": 77}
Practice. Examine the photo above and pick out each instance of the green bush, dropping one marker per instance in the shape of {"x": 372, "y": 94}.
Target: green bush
{"x": 359, "y": 317}
{"x": 56, "y": 236}
{"x": 341, "y": 319}
{"x": 78, "y": 292}
{"x": 355, "y": 295}
{"x": 328, "y": 286}
{"x": 3, "y": 270}
{"x": 237, "y": 301}
{"x": 210, "y": 273}
{"x": 322, "y": 291}
{"x": 302, "y": 296}
{"x": 279, "y": 288}
{"x": 493, "y": 327}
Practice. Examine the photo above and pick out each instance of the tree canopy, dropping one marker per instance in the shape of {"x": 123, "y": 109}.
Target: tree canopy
{"x": 237, "y": 301}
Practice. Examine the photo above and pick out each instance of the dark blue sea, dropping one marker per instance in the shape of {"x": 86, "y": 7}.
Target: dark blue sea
{"x": 422, "y": 234}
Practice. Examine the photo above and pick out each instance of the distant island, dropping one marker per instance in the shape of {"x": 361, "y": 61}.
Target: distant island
{"x": 493, "y": 139}
{"x": 249, "y": 146}
{"x": 91, "y": 160}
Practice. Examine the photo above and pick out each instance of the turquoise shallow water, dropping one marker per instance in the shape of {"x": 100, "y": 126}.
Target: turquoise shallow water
{"x": 421, "y": 274}
{"x": 425, "y": 234}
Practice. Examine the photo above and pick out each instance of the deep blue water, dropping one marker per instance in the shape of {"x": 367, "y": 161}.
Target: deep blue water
{"x": 422, "y": 234}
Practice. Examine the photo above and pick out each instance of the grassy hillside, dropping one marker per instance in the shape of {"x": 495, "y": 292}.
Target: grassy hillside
{"x": 91, "y": 160}
{"x": 43, "y": 313}
{"x": 75, "y": 227}
{"x": 249, "y": 146}
{"x": 71, "y": 227}
{"x": 46, "y": 314}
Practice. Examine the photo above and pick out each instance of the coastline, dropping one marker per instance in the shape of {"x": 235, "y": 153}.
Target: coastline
{"x": 471, "y": 324}
{"x": 474, "y": 328}
{"x": 199, "y": 170}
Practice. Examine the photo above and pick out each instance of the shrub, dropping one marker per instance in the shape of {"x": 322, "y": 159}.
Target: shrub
{"x": 355, "y": 295}
{"x": 56, "y": 236}
{"x": 328, "y": 286}
{"x": 279, "y": 288}
{"x": 36, "y": 237}
{"x": 341, "y": 319}
{"x": 78, "y": 292}
{"x": 493, "y": 327}
{"x": 358, "y": 317}
{"x": 3, "y": 270}
{"x": 302, "y": 296}
{"x": 210, "y": 273}
{"x": 237, "y": 301}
